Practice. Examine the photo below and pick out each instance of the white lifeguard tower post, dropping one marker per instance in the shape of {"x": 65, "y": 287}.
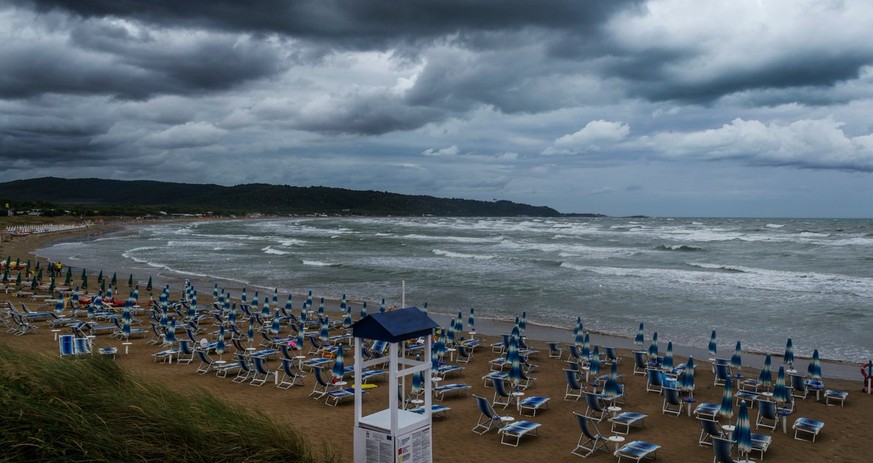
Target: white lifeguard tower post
{"x": 394, "y": 434}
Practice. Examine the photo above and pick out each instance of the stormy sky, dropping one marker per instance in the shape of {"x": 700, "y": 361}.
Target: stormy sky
{"x": 665, "y": 108}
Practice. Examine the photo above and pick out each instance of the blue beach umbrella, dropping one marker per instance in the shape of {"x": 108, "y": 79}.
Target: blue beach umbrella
{"x": 780, "y": 392}
{"x": 586, "y": 346}
{"x": 727, "y": 400}
{"x": 594, "y": 366}
{"x": 425, "y": 308}
{"x": 136, "y": 293}
{"x": 814, "y": 368}
{"x": 289, "y": 305}
{"x": 339, "y": 367}
{"x": 382, "y": 307}
{"x": 265, "y": 309}
{"x": 364, "y": 309}
{"x": 459, "y": 324}
{"x": 244, "y": 296}
{"x": 276, "y": 297}
{"x": 275, "y": 326}
{"x": 743, "y": 431}
{"x": 611, "y": 389}
{"x": 640, "y": 338}
{"x": 737, "y": 358}
{"x": 231, "y": 315}
{"x": 667, "y": 362}
{"x": 514, "y": 359}
{"x": 303, "y": 317}
{"x": 74, "y": 300}
{"x": 255, "y": 301}
{"x": 578, "y": 333}
{"x": 789, "y": 354}
{"x": 170, "y": 333}
{"x": 765, "y": 377}
{"x": 653, "y": 348}
{"x": 219, "y": 346}
{"x": 347, "y": 319}
{"x": 192, "y": 307}
{"x": 215, "y": 293}
{"x": 471, "y": 320}
{"x": 343, "y": 303}
{"x": 686, "y": 381}
{"x": 321, "y": 308}
{"x": 713, "y": 345}
{"x": 164, "y": 320}
{"x": 522, "y": 324}
{"x": 301, "y": 336}
{"x": 308, "y": 303}
{"x": 441, "y": 344}
{"x": 323, "y": 334}
{"x": 250, "y": 334}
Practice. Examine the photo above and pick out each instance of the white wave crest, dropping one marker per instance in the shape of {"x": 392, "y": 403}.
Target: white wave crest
{"x": 277, "y": 252}
{"x": 316, "y": 263}
{"x": 459, "y": 255}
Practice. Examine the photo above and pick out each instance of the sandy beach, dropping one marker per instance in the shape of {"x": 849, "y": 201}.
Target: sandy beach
{"x": 844, "y": 437}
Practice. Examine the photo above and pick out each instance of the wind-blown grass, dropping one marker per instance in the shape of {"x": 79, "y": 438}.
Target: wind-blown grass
{"x": 56, "y": 409}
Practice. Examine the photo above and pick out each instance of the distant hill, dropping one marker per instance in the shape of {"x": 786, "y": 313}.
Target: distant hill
{"x": 91, "y": 196}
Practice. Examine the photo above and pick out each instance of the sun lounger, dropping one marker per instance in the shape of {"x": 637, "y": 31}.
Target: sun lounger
{"x": 627, "y": 419}
{"x": 807, "y": 425}
{"x": 511, "y": 434}
{"x": 533, "y": 404}
{"x": 707, "y": 410}
{"x": 637, "y": 450}
{"x": 837, "y": 396}
{"x": 441, "y": 391}
{"x": 436, "y": 410}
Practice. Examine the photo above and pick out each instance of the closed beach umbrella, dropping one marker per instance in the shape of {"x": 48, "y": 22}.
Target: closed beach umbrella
{"x": 275, "y": 325}
{"x": 244, "y": 297}
{"x": 288, "y": 305}
{"x": 109, "y": 293}
{"x": 440, "y": 345}
{"x": 347, "y": 319}
{"x": 103, "y": 286}
{"x": 343, "y": 303}
{"x": 170, "y": 333}
{"x": 114, "y": 280}
{"x": 321, "y": 308}
{"x": 780, "y": 392}
{"x": 727, "y": 400}
{"x": 578, "y": 333}
{"x": 130, "y": 281}
{"x": 250, "y": 334}
{"x": 255, "y": 302}
{"x": 514, "y": 359}
{"x": 640, "y": 338}
{"x": 743, "y": 431}
{"x": 789, "y": 354}
{"x": 219, "y": 346}
{"x": 323, "y": 334}
{"x": 52, "y": 286}
{"x": 613, "y": 370}
{"x": 84, "y": 281}
{"x": 149, "y": 285}
{"x": 667, "y": 362}
{"x": 382, "y": 307}
{"x": 192, "y": 306}
{"x": 276, "y": 297}
{"x": 301, "y": 335}
{"x": 364, "y": 309}
{"x": 765, "y": 377}
{"x": 653, "y": 348}
{"x": 125, "y": 324}
{"x": 686, "y": 381}
{"x": 713, "y": 345}
{"x": 68, "y": 280}
{"x": 522, "y": 324}
{"x": 339, "y": 364}
{"x": 265, "y": 309}
{"x": 737, "y": 358}
{"x": 459, "y": 324}
{"x": 612, "y": 389}
{"x": 100, "y": 277}
{"x": 586, "y": 346}
{"x": 164, "y": 321}
{"x": 471, "y": 320}
{"x": 594, "y": 366}
{"x": 309, "y": 300}
{"x": 231, "y": 315}
{"x": 451, "y": 333}
{"x": 215, "y": 293}
{"x": 814, "y": 368}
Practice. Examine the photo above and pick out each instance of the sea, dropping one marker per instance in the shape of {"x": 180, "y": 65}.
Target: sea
{"x": 757, "y": 281}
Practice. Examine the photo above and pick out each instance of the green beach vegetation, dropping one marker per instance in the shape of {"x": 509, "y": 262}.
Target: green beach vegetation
{"x": 57, "y": 409}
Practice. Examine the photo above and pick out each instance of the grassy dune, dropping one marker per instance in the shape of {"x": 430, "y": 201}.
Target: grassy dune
{"x": 91, "y": 410}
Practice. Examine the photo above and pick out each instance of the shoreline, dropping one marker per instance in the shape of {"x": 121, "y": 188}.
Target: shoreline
{"x": 495, "y": 327}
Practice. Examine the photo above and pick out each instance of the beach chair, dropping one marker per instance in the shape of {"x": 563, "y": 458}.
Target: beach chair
{"x": 316, "y": 362}
{"x": 290, "y": 377}
{"x": 611, "y": 355}
{"x": 205, "y": 363}
{"x": 245, "y": 371}
{"x": 502, "y": 396}
{"x": 83, "y": 347}
{"x": 66, "y": 345}
{"x": 261, "y": 372}
{"x": 673, "y": 404}
{"x": 334, "y": 396}
{"x": 627, "y": 419}
{"x": 465, "y": 354}
{"x": 555, "y": 351}
{"x": 590, "y": 440}
{"x": 799, "y": 387}
{"x": 749, "y": 396}
{"x": 723, "y": 449}
{"x": 457, "y": 388}
{"x": 186, "y": 353}
{"x": 436, "y": 410}
{"x": 807, "y": 426}
{"x": 654, "y": 380}
{"x": 499, "y": 346}
{"x": 449, "y": 370}
{"x": 707, "y": 410}
{"x": 761, "y": 442}
{"x": 488, "y": 378}
{"x": 488, "y": 418}
{"x": 640, "y": 364}
{"x": 722, "y": 374}
{"x": 596, "y": 410}
{"x": 56, "y": 321}
{"x": 574, "y": 389}
{"x": 637, "y": 451}
{"x": 512, "y": 433}
{"x": 767, "y": 416}
{"x": 837, "y": 396}
{"x": 533, "y": 404}
{"x": 708, "y": 430}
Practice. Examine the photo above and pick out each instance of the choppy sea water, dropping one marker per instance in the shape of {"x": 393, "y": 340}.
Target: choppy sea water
{"x": 758, "y": 281}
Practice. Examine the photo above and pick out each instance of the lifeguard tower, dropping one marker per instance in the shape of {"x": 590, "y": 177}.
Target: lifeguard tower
{"x": 394, "y": 434}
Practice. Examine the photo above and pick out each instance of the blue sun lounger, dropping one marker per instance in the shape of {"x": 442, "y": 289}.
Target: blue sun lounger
{"x": 627, "y": 419}
{"x": 637, "y": 450}
{"x": 533, "y": 404}
{"x": 436, "y": 410}
{"x": 516, "y": 430}
{"x": 807, "y": 425}
{"x": 441, "y": 391}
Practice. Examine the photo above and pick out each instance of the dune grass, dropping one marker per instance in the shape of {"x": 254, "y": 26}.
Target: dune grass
{"x": 57, "y": 409}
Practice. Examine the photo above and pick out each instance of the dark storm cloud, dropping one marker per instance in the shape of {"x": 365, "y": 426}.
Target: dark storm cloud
{"x": 352, "y": 24}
